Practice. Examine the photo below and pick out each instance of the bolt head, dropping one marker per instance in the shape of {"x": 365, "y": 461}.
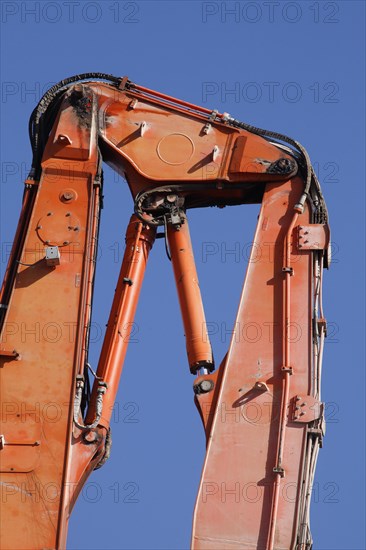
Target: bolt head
{"x": 206, "y": 385}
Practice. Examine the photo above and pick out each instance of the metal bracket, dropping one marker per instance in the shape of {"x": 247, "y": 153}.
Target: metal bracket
{"x": 313, "y": 237}
{"x": 261, "y": 386}
{"x": 52, "y": 256}
{"x": 215, "y": 153}
{"x": 132, "y": 104}
{"x": 279, "y": 470}
{"x": 317, "y": 433}
{"x": 123, "y": 84}
{"x": 172, "y": 204}
{"x": 142, "y": 128}
{"x": 287, "y": 369}
{"x": 322, "y": 324}
{"x": 306, "y": 409}
{"x": 206, "y": 129}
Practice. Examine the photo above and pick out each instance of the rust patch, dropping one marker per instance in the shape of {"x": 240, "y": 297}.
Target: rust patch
{"x": 82, "y": 105}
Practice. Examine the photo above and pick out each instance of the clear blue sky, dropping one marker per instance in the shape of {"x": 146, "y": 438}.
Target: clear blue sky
{"x": 294, "y": 67}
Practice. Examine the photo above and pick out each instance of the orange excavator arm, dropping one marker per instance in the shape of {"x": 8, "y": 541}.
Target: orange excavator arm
{"x": 261, "y": 409}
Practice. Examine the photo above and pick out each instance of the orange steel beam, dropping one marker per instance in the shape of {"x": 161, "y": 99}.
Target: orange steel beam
{"x": 261, "y": 409}
{"x": 241, "y": 502}
{"x": 45, "y": 320}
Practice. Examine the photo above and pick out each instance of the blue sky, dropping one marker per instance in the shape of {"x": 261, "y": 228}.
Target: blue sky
{"x": 293, "y": 67}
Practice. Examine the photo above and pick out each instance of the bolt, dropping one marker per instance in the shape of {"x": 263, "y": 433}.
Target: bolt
{"x": 203, "y": 387}
{"x": 68, "y": 214}
{"x": 206, "y": 385}
{"x": 66, "y": 242}
{"x": 39, "y": 227}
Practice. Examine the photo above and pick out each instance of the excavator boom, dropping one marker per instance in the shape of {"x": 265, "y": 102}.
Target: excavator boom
{"x": 261, "y": 408}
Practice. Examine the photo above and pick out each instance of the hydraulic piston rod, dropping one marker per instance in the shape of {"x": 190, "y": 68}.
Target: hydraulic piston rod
{"x": 198, "y": 345}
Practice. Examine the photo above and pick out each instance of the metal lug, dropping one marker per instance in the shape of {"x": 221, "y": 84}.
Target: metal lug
{"x": 142, "y": 128}
{"x": 262, "y": 386}
{"x": 206, "y": 129}
{"x": 132, "y": 104}
{"x": 215, "y": 153}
